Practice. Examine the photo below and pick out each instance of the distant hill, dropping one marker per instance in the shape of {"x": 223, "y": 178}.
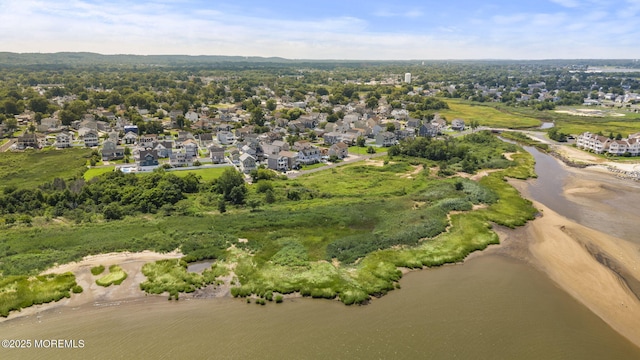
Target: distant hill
{"x": 84, "y": 59}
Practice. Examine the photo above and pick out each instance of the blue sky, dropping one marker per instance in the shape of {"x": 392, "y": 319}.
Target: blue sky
{"x": 384, "y": 30}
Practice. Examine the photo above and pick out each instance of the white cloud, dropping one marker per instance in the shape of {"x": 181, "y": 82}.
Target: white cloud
{"x": 567, "y": 3}
{"x": 157, "y": 27}
{"x": 414, "y": 13}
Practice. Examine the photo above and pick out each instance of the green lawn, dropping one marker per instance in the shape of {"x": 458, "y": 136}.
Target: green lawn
{"x": 207, "y": 174}
{"x": 363, "y": 150}
{"x": 94, "y": 172}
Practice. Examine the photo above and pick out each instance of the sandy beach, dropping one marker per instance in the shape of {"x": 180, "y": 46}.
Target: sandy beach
{"x": 130, "y": 262}
{"x": 598, "y": 269}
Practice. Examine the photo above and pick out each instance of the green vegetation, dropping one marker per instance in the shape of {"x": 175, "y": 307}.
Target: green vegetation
{"x": 18, "y": 292}
{"x": 340, "y": 233}
{"x": 363, "y": 150}
{"x": 95, "y": 172}
{"x": 498, "y": 116}
{"x": 97, "y": 270}
{"x": 115, "y": 276}
{"x": 171, "y": 276}
{"x": 206, "y": 174}
{"x": 523, "y": 139}
{"x": 30, "y": 169}
{"x": 313, "y": 166}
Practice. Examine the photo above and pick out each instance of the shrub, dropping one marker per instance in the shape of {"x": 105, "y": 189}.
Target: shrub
{"x": 278, "y": 299}
{"x": 97, "y": 270}
{"x": 77, "y": 289}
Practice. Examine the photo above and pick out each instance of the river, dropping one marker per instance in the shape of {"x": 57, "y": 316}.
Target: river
{"x": 490, "y": 307}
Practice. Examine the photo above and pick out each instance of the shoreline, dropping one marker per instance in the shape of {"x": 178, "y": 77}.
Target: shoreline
{"x": 581, "y": 261}
{"x": 93, "y": 293}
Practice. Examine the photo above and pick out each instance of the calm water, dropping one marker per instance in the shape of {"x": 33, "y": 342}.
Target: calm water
{"x": 491, "y": 307}
{"x": 623, "y": 198}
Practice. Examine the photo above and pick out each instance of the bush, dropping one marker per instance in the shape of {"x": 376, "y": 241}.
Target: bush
{"x": 278, "y": 299}
{"x": 77, "y": 289}
{"x": 97, "y": 270}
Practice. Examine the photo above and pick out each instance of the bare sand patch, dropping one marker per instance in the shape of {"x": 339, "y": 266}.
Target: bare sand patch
{"x": 572, "y": 255}
{"x": 589, "y": 112}
{"x": 374, "y": 162}
{"x": 130, "y": 262}
{"x": 416, "y": 170}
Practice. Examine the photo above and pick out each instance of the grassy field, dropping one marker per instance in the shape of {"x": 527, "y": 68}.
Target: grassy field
{"x": 363, "y": 150}
{"x": 207, "y": 174}
{"x": 340, "y": 233}
{"x": 571, "y": 124}
{"x": 490, "y": 116}
{"x": 32, "y": 168}
{"x": 95, "y": 172}
{"x": 313, "y": 166}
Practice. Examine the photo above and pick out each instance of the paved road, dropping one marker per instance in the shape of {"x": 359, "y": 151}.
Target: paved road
{"x": 6, "y": 146}
{"x": 352, "y": 159}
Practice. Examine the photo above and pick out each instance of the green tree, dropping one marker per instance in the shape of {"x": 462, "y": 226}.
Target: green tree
{"x": 271, "y": 104}
{"x": 112, "y": 212}
{"x": 257, "y": 116}
{"x": 39, "y": 104}
{"x": 11, "y": 125}
{"x": 372, "y": 102}
{"x": 371, "y": 150}
{"x": 269, "y": 196}
{"x": 254, "y": 204}
{"x": 391, "y": 127}
{"x": 222, "y": 206}
{"x": 231, "y": 185}
{"x": 360, "y": 141}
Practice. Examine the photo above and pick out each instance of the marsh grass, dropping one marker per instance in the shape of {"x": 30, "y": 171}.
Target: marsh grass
{"x": 171, "y": 276}
{"x": 97, "y": 270}
{"x": 115, "y": 277}
{"x": 18, "y": 292}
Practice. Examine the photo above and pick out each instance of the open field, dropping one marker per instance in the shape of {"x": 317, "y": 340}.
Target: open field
{"x": 363, "y": 150}
{"x": 207, "y": 174}
{"x": 32, "y": 168}
{"x": 486, "y": 115}
{"x": 567, "y": 119}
